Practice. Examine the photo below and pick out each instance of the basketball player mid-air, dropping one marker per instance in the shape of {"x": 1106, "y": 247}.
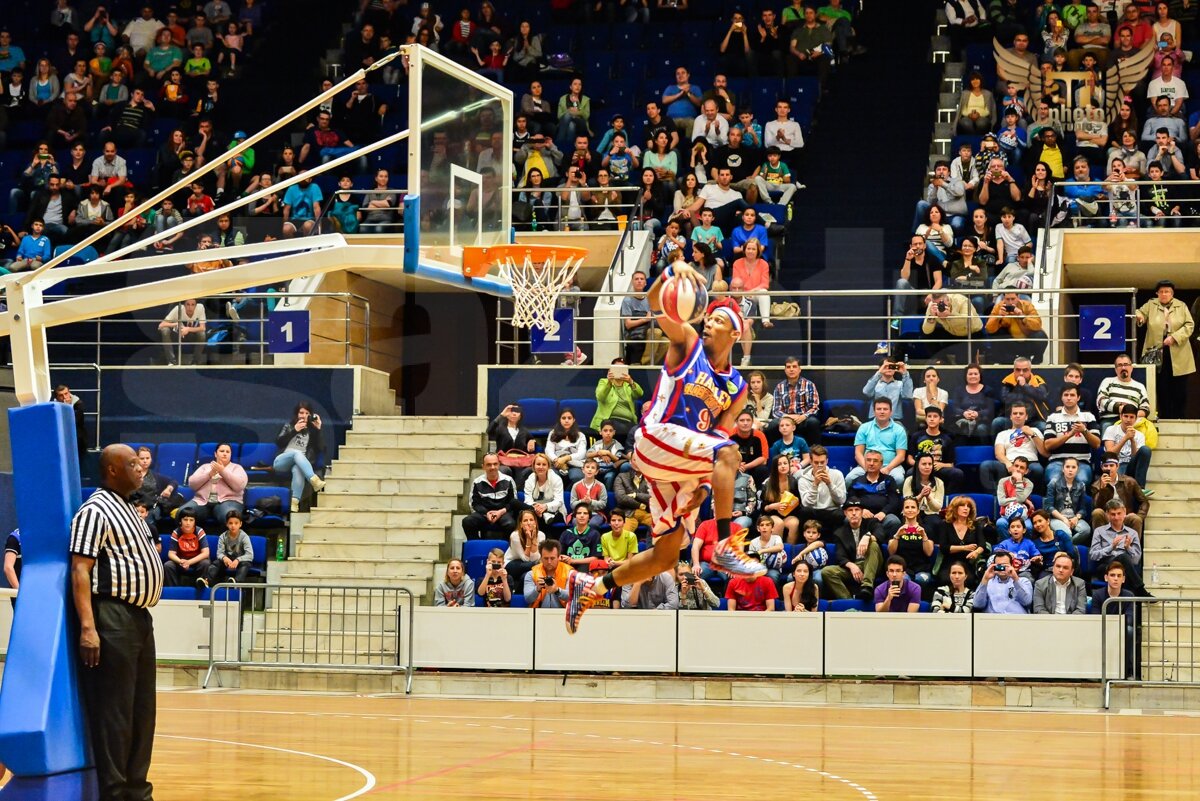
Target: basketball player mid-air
{"x": 682, "y": 446}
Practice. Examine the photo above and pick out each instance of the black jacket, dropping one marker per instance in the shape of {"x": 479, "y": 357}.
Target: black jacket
{"x": 315, "y": 443}
{"x": 847, "y": 549}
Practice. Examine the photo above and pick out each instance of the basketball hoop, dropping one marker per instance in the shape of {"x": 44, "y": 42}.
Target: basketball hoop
{"x": 535, "y": 274}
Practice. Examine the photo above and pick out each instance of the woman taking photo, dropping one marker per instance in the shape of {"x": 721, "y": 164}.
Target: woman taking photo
{"x": 687, "y": 203}
{"x": 300, "y": 444}
{"x": 522, "y": 553}
{"x": 508, "y": 434}
{"x": 494, "y": 588}
{"x": 913, "y": 543}
{"x": 544, "y": 492}
{"x": 800, "y": 594}
{"x": 779, "y": 499}
{"x": 966, "y": 272}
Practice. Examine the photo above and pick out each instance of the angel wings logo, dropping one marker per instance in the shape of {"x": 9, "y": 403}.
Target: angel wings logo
{"x": 1072, "y": 96}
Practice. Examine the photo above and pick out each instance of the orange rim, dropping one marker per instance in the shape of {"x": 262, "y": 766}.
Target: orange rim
{"x": 477, "y": 261}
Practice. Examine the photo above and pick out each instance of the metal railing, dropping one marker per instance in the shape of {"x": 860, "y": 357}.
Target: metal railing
{"x": 557, "y": 206}
{"x": 311, "y": 626}
{"x": 252, "y": 323}
{"x": 96, "y": 394}
{"x": 1159, "y": 642}
{"x": 394, "y": 226}
{"x": 868, "y": 330}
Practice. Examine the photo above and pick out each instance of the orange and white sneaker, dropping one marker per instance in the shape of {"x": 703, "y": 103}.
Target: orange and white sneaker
{"x": 730, "y": 557}
{"x": 580, "y": 597}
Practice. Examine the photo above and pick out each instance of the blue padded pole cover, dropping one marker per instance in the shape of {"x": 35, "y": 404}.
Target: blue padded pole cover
{"x": 42, "y": 727}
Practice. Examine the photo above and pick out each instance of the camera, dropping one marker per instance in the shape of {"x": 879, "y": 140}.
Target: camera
{"x": 548, "y": 581}
{"x": 941, "y": 305}
{"x": 495, "y": 565}
{"x": 689, "y": 578}
{"x": 1010, "y": 307}
{"x": 1000, "y": 568}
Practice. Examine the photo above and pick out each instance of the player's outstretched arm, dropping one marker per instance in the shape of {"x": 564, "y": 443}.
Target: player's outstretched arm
{"x": 681, "y": 336}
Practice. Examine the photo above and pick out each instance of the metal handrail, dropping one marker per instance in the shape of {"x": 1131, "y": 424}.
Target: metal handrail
{"x": 398, "y": 211}
{"x": 306, "y": 658}
{"x": 98, "y": 391}
{"x": 1112, "y": 605}
{"x": 806, "y": 300}
{"x": 349, "y": 300}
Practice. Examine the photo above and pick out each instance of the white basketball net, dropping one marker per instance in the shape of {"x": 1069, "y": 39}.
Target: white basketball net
{"x": 536, "y": 287}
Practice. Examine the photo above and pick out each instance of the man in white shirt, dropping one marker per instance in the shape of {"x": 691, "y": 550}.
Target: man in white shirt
{"x": 141, "y": 32}
{"x": 711, "y": 125}
{"x": 784, "y": 133}
{"x": 1169, "y": 85}
{"x": 1021, "y": 439}
{"x": 1128, "y": 444}
{"x": 722, "y": 199}
{"x": 183, "y": 331}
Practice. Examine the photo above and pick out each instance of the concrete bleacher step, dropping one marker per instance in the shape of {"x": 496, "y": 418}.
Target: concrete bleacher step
{"x": 469, "y": 442}
{"x": 1185, "y": 576}
{"x": 282, "y": 655}
{"x": 1172, "y": 488}
{"x": 434, "y": 534}
{"x": 1176, "y": 457}
{"x": 380, "y": 518}
{"x": 328, "y": 642}
{"x": 362, "y": 501}
{"x": 419, "y": 425}
{"x": 398, "y": 470}
{"x": 367, "y": 550}
{"x": 1173, "y": 519}
{"x": 312, "y": 620}
{"x": 360, "y": 568}
{"x": 369, "y": 600}
{"x": 1177, "y": 428}
{"x": 431, "y": 484}
{"x": 429, "y": 456}
{"x": 419, "y": 587}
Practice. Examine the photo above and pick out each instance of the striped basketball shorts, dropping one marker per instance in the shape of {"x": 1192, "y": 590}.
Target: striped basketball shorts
{"x": 678, "y": 462}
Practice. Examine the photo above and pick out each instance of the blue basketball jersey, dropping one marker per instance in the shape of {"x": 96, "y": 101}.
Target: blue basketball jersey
{"x": 694, "y": 395}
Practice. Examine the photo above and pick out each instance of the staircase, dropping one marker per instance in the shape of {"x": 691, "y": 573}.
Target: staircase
{"x": 1171, "y": 557}
{"x": 383, "y": 521}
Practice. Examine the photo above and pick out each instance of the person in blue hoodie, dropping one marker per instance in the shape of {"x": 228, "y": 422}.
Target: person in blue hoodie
{"x": 34, "y": 249}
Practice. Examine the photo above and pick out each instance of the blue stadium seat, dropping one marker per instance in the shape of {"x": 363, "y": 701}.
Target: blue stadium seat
{"x": 84, "y": 256}
{"x": 847, "y": 605}
{"x": 256, "y": 494}
{"x": 474, "y": 556}
{"x": 827, "y": 406}
{"x": 1085, "y": 560}
{"x": 973, "y": 455}
{"x": 538, "y": 414}
{"x": 258, "y": 565}
{"x": 175, "y": 459}
{"x": 593, "y": 37}
{"x": 584, "y": 408}
{"x": 632, "y": 65}
{"x": 841, "y": 457}
{"x": 985, "y": 505}
{"x": 518, "y": 601}
{"x": 254, "y": 453}
{"x": 925, "y": 606}
{"x": 627, "y": 39}
{"x": 207, "y": 451}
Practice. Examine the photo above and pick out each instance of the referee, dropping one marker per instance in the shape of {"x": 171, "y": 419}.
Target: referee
{"x": 116, "y": 574}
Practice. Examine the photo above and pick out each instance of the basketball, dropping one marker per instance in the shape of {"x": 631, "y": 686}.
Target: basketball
{"x": 682, "y": 301}
{"x": 817, "y": 558}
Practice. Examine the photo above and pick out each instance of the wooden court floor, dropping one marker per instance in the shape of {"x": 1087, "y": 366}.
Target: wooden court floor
{"x": 254, "y": 746}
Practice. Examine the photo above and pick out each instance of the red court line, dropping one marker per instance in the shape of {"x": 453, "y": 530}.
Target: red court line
{"x": 460, "y": 766}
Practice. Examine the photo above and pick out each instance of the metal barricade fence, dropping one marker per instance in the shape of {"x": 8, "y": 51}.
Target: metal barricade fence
{"x": 811, "y": 324}
{"x": 310, "y": 626}
{"x": 91, "y": 410}
{"x": 1160, "y": 646}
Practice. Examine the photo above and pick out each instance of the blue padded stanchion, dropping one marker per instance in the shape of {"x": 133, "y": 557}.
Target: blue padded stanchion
{"x": 42, "y": 726}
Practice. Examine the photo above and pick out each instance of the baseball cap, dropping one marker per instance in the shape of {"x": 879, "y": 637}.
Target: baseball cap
{"x": 852, "y": 503}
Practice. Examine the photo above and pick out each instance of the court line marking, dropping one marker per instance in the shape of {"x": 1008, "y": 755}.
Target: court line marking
{"x": 471, "y": 763}
{"x": 368, "y": 777}
{"x": 788, "y": 725}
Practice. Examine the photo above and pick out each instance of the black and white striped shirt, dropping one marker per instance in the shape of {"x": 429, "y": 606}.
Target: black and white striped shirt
{"x": 128, "y": 567}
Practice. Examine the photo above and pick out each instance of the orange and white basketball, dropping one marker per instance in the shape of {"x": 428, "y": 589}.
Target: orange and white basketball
{"x": 682, "y": 301}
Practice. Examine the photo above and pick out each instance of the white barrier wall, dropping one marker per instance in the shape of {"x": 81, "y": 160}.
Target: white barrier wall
{"x": 751, "y": 642}
{"x": 181, "y": 629}
{"x": 1046, "y": 646}
{"x": 887, "y": 643}
{"x": 628, "y": 640}
{"x": 470, "y": 638}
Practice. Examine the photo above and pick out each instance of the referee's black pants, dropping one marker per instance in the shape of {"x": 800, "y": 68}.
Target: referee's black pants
{"x": 119, "y": 694}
